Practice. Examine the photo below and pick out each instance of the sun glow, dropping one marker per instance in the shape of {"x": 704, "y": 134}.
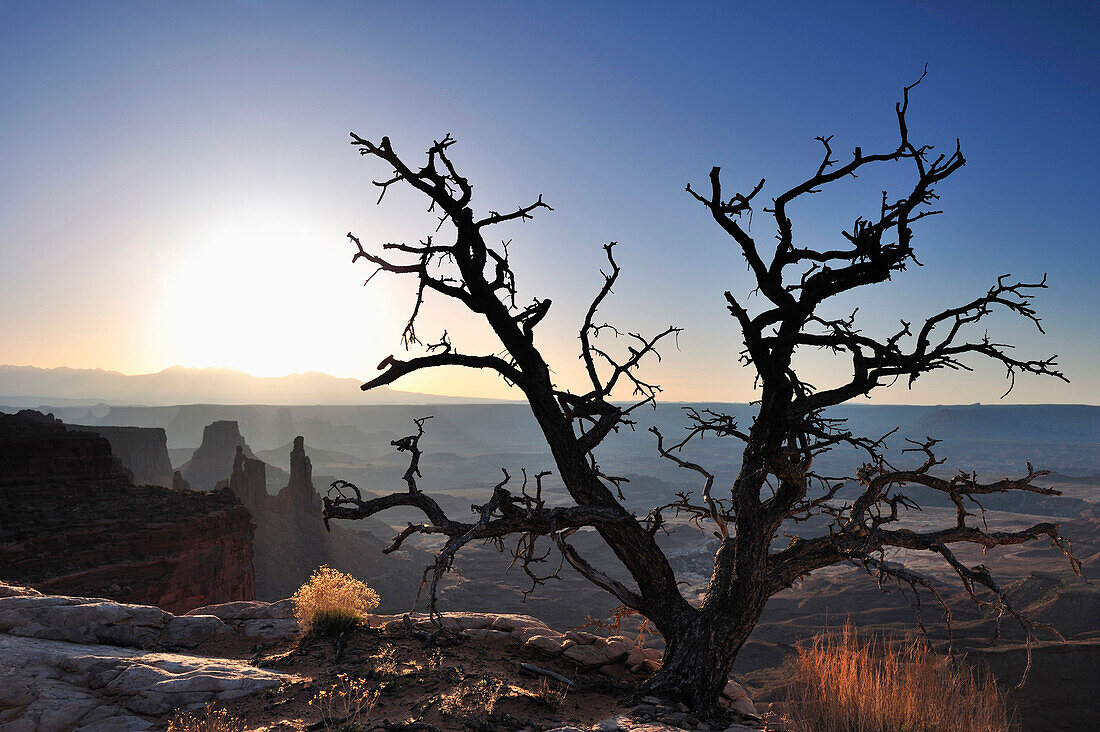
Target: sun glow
{"x": 270, "y": 294}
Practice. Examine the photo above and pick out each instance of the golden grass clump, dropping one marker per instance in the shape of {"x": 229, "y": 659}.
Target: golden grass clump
{"x": 207, "y": 719}
{"x": 332, "y": 602}
{"x": 844, "y": 684}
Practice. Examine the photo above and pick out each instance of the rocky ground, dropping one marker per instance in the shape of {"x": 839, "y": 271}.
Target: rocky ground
{"x": 93, "y": 665}
{"x": 101, "y": 666}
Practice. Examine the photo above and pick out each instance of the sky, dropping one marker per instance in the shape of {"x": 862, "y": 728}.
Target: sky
{"x": 176, "y": 181}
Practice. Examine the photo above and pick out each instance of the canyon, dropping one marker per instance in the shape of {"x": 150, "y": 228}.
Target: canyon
{"x": 291, "y": 540}
{"x": 82, "y": 524}
{"x": 76, "y": 523}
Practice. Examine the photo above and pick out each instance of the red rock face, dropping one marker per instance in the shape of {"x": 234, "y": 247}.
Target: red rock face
{"x": 75, "y": 524}
{"x": 175, "y": 565}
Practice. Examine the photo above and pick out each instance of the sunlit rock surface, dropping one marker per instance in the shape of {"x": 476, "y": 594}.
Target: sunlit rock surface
{"x": 75, "y": 663}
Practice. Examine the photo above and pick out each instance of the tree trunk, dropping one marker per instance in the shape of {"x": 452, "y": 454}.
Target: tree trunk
{"x": 697, "y": 662}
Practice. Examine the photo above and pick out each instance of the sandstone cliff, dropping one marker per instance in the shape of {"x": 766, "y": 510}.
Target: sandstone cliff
{"x": 213, "y": 461}
{"x": 141, "y": 450}
{"x": 299, "y": 495}
{"x": 74, "y": 522}
{"x": 291, "y": 540}
{"x": 249, "y": 482}
{"x": 179, "y": 483}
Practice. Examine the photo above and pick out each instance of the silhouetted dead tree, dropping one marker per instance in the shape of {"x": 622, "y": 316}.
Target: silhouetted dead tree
{"x": 776, "y": 482}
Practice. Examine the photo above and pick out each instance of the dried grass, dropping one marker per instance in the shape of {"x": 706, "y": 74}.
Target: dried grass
{"x": 842, "y": 683}
{"x": 476, "y": 701}
{"x": 384, "y": 665}
{"x": 615, "y": 626}
{"x": 347, "y": 704}
{"x": 207, "y": 719}
{"x": 551, "y": 693}
{"x": 332, "y": 602}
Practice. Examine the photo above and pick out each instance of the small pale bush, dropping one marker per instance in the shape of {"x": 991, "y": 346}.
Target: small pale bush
{"x": 842, "y": 683}
{"x": 207, "y": 719}
{"x": 332, "y": 602}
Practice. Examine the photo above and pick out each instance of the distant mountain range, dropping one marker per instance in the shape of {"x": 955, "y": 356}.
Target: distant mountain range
{"x": 31, "y": 386}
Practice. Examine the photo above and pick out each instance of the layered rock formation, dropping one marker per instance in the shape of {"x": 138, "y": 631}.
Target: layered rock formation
{"x": 179, "y": 483}
{"x": 249, "y": 481}
{"x": 291, "y": 541}
{"x": 299, "y": 495}
{"x": 213, "y": 460}
{"x": 37, "y": 445}
{"x": 74, "y": 522}
{"x": 141, "y": 450}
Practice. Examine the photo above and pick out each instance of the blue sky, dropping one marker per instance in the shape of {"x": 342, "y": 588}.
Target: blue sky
{"x": 175, "y": 179}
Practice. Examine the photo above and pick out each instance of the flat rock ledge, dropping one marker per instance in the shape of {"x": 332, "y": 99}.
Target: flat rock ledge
{"x": 253, "y": 619}
{"x": 93, "y": 665}
{"x": 29, "y": 613}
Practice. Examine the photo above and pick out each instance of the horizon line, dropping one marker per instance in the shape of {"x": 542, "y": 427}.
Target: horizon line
{"x": 487, "y": 400}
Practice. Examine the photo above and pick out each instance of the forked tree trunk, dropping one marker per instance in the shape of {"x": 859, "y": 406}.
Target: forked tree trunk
{"x": 700, "y": 649}
{"x": 697, "y": 661}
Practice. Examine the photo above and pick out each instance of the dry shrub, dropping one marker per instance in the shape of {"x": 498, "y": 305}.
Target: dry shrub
{"x": 347, "y": 704}
{"x": 486, "y": 694}
{"x": 207, "y": 719}
{"x": 450, "y": 703}
{"x": 477, "y": 701}
{"x": 843, "y": 684}
{"x": 332, "y": 602}
{"x": 614, "y": 627}
{"x": 552, "y": 693}
{"x": 384, "y": 665}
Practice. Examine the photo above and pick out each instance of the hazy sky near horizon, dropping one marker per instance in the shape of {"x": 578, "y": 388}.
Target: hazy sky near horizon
{"x": 176, "y": 180}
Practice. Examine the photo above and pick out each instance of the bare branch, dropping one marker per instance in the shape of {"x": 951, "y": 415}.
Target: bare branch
{"x": 625, "y": 595}
{"x": 708, "y": 483}
{"x": 521, "y": 213}
{"x": 394, "y": 368}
